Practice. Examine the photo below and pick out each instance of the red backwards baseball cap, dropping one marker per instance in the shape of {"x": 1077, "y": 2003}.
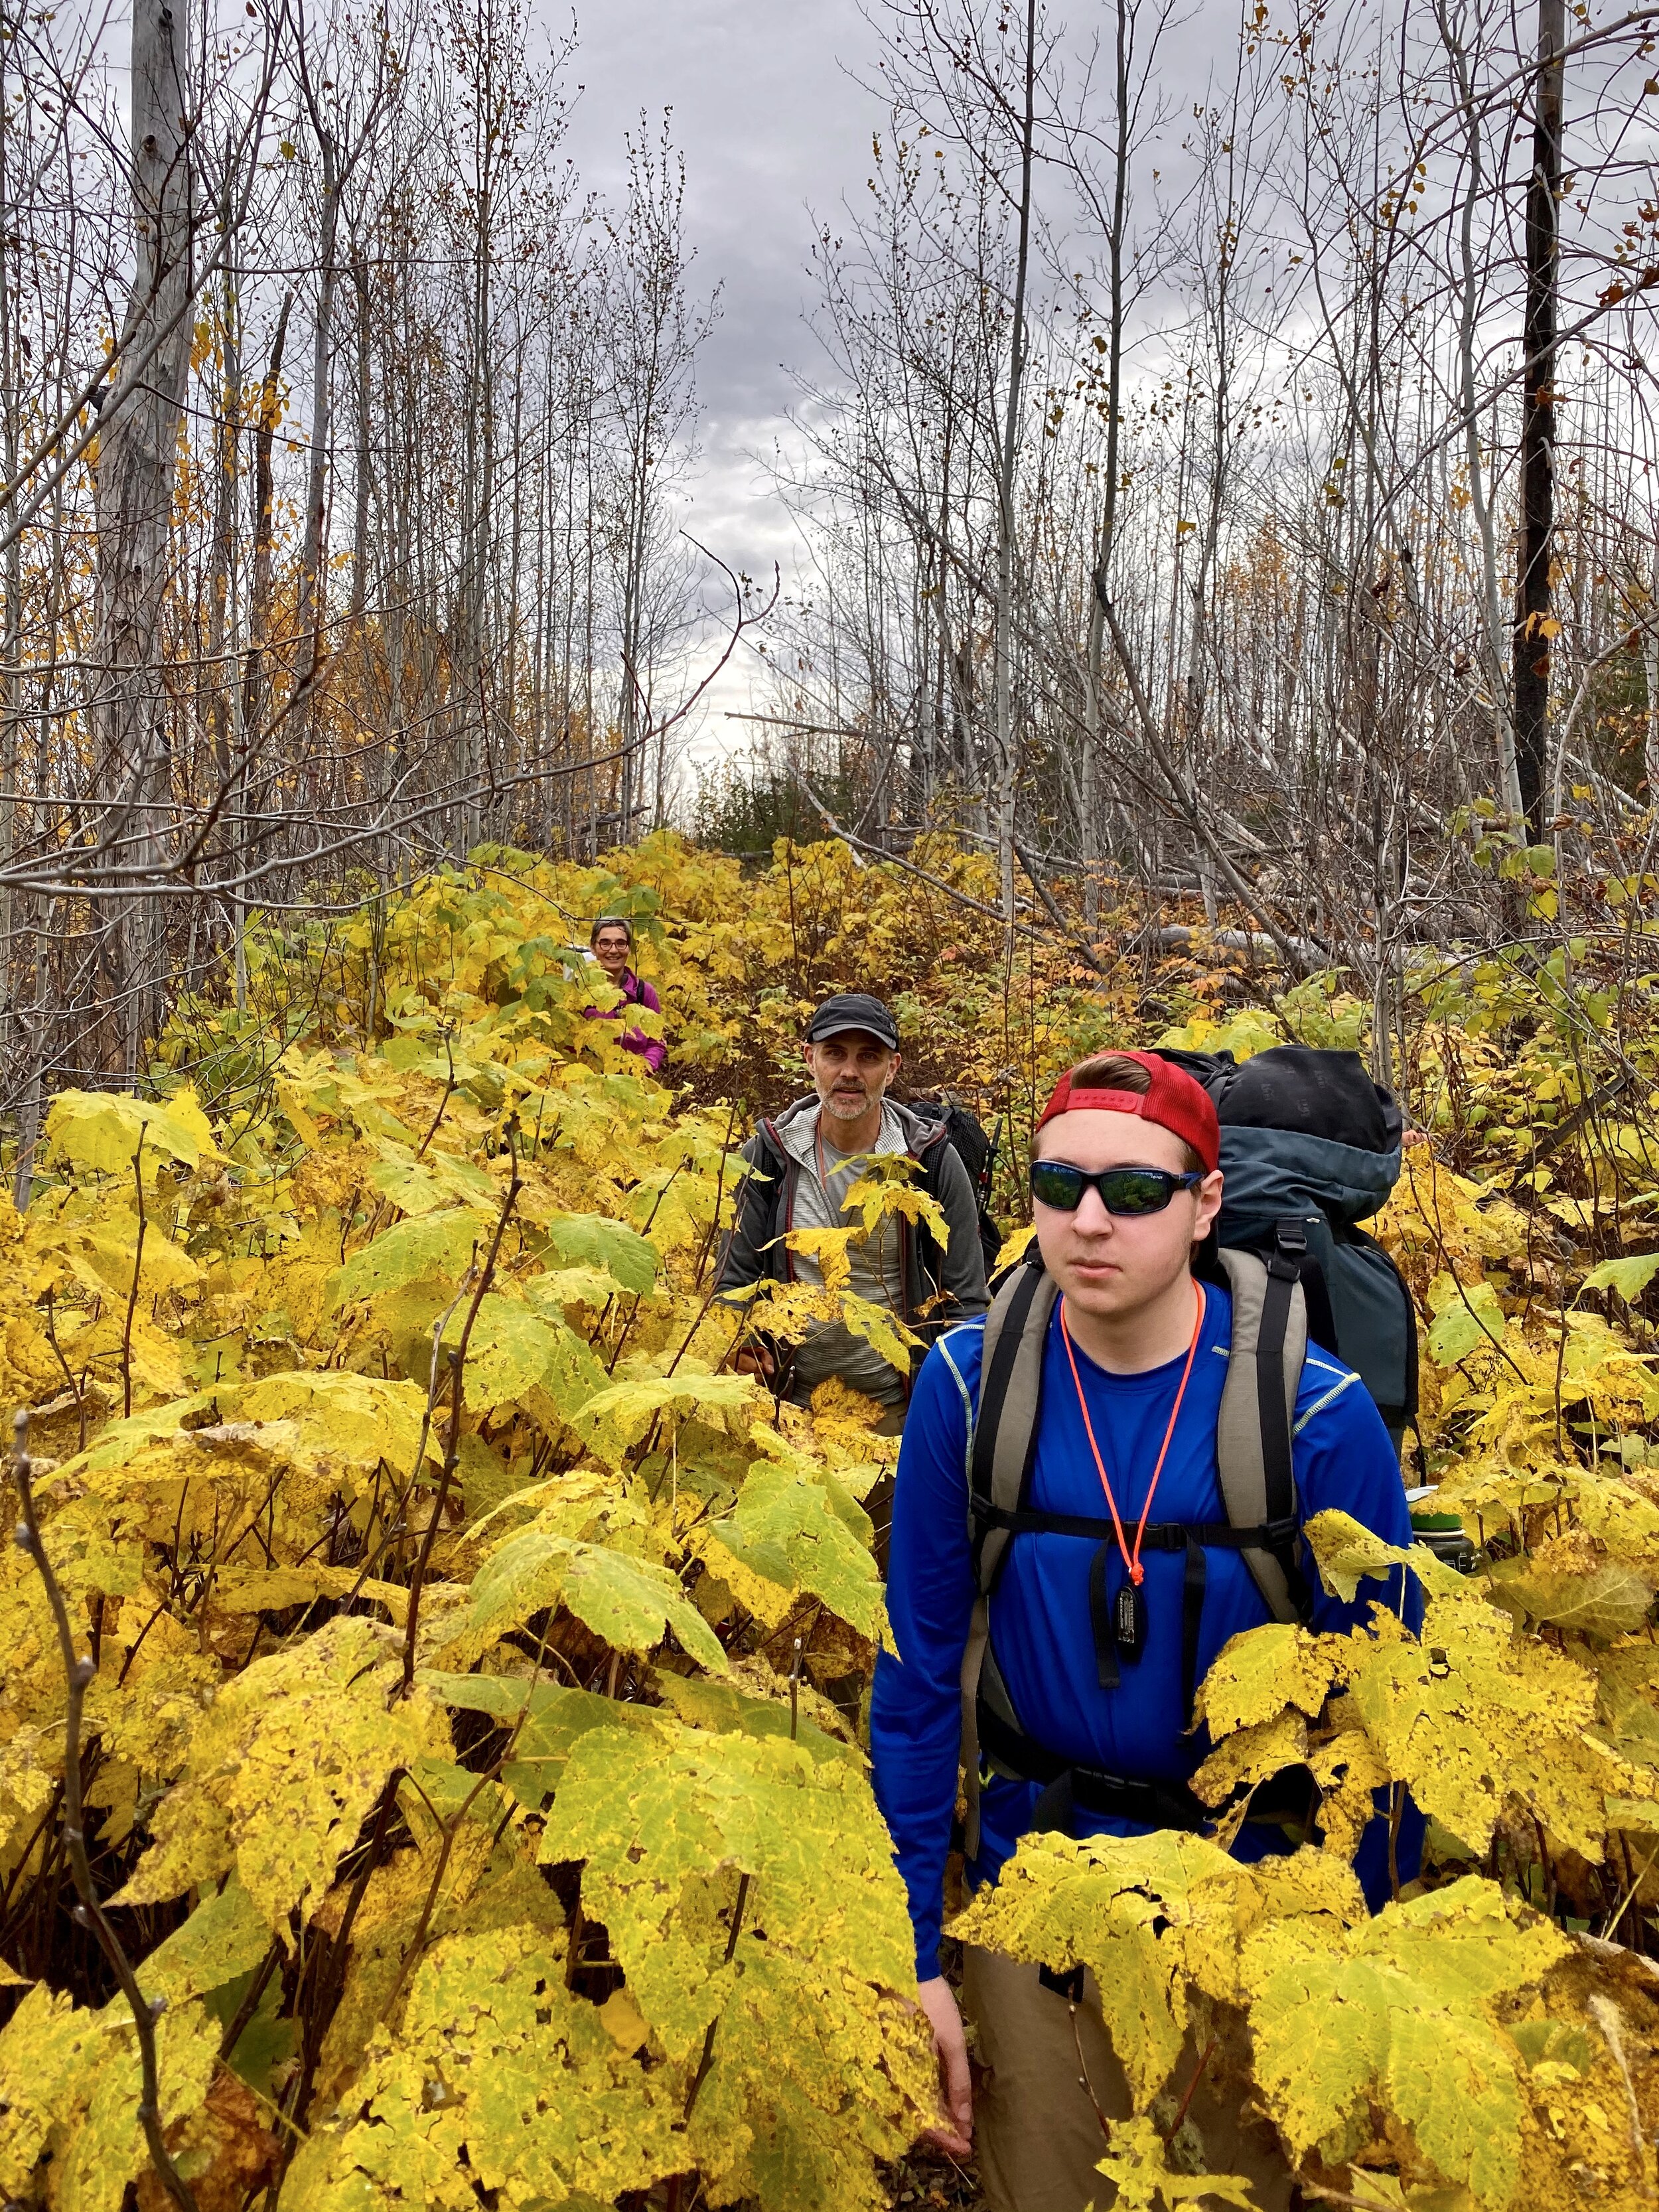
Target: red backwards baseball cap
{"x": 1173, "y": 1100}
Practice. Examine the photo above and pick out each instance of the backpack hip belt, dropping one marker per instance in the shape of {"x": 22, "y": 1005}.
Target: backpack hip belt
{"x": 1066, "y": 1783}
{"x": 1258, "y": 1488}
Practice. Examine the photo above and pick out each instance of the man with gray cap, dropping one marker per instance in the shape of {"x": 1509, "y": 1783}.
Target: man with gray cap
{"x": 801, "y": 1168}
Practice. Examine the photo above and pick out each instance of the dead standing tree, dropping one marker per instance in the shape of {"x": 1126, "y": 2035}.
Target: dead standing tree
{"x": 137, "y": 449}
{"x": 1534, "y": 624}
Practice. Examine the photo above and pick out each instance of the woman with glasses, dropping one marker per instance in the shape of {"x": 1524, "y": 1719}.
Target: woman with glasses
{"x": 1097, "y": 1623}
{"x": 611, "y": 940}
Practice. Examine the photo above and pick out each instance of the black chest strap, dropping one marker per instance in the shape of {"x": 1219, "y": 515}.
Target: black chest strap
{"x": 1192, "y": 1537}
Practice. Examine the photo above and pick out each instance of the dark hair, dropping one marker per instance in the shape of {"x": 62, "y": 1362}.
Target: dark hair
{"x": 1116, "y": 1071}
{"x": 611, "y": 921}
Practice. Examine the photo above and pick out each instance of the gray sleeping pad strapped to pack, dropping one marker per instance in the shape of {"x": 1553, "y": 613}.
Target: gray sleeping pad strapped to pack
{"x": 1292, "y": 1255}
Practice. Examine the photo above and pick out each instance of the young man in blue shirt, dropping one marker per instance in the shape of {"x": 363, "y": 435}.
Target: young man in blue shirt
{"x": 1125, "y": 1186}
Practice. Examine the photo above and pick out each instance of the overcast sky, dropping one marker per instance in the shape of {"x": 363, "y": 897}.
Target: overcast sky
{"x": 769, "y": 120}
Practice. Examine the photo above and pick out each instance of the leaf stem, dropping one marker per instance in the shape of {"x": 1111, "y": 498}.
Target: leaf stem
{"x": 1174, "y": 2128}
{"x": 137, "y": 1270}
{"x": 452, "y": 1445}
{"x": 704, "y": 2063}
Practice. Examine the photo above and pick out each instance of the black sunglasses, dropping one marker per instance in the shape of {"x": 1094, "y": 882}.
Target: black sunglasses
{"x": 1123, "y": 1190}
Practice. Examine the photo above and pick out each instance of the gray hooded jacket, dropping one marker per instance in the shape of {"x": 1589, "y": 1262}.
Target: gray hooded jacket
{"x": 937, "y": 1287}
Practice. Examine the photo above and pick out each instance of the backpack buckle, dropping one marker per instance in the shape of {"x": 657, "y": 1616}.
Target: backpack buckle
{"x": 1289, "y": 1250}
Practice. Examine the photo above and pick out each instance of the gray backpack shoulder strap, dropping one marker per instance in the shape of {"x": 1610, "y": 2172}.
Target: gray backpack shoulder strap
{"x": 1004, "y": 1440}
{"x": 1258, "y": 1410}
{"x": 1005, "y": 1423}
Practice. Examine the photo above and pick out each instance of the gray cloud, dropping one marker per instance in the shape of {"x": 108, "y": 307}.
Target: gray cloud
{"x": 769, "y": 120}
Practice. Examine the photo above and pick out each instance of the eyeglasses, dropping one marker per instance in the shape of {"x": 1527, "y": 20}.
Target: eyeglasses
{"x": 1123, "y": 1190}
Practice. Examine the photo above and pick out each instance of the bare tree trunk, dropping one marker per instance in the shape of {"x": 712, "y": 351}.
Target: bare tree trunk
{"x": 312, "y": 610}
{"x": 1006, "y": 738}
{"x": 364, "y": 469}
{"x": 1100, "y": 577}
{"x": 226, "y": 440}
{"x": 1532, "y": 607}
{"x": 11, "y": 630}
{"x": 256, "y": 681}
{"x": 137, "y": 450}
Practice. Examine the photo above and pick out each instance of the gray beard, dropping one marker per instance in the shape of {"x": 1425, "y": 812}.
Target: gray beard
{"x": 844, "y": 1110}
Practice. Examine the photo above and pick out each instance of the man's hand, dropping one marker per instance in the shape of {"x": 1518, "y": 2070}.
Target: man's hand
{"x": 955, "y": 2132}
{"x": 756, "y": 1359}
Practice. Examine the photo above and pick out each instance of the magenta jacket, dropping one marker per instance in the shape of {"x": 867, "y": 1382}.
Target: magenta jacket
{"x": 652, "y": 1050}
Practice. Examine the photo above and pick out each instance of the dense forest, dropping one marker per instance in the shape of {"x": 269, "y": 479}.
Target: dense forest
{"x": 434, "y": 1677}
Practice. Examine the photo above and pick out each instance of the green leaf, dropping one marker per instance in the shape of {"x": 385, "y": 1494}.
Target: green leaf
{"x": 1612, "y": 1601}
{"x": 701, "y": 1810}
{"x": 102, "y": 1131}
{"x": 1629, "y": 1276}
{"x": 421, "y": 1187}
{"x": 619, "y": 1415}
{"x": 549, "y": 1718}
{"x": 1470, "y": 1320}
{"x": 574, "y": 1287}
{"x": 513, "y": 1350}
{"x": 795, "y": 1525}
{"x": 441, "y": 1244}
{"x": 590, "y": 1240}
{"x": 223, "y": 1938}
{"x": 705, "y": 1705}
{"x": 630, "y": 1602}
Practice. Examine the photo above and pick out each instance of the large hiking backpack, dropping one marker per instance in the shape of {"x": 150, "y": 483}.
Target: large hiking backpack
{"x": 1311, "y": 1147}
{"x": 978, "y": 1153}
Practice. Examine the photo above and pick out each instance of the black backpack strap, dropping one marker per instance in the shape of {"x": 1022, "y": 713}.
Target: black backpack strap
{"x": 1100, "y": 1617}
{"x": 1322, "y": 1320}
{"x": 1192, "y": 1582}
{"x": 1156, "y": 1536}
{"x": 1258, "y": 1405}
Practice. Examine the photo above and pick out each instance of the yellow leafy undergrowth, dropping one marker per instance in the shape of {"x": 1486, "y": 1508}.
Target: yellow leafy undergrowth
{"x": 470, "y": 1748}
{"x": 443, "y": 1584}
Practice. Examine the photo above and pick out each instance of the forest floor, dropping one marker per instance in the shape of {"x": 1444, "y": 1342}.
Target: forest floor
{"x": 928, "y": 2177}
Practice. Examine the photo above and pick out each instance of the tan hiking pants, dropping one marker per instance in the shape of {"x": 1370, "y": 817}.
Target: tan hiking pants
{"x": 1035, "y": 2133}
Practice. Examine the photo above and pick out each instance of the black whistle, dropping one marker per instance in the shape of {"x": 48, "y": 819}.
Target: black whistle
{"x": 1129, "y": 1621}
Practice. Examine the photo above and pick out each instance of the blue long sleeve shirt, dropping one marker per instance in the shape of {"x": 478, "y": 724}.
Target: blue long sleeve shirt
{"x": 1041, "y": 1626}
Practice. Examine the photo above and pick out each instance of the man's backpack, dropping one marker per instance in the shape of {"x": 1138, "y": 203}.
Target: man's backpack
{"x": 978, "y": 1153}
{"x": 1309, "y": 1146}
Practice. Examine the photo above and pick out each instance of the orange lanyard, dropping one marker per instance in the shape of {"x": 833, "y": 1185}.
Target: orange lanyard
{"x": 1131, "y": 1560}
